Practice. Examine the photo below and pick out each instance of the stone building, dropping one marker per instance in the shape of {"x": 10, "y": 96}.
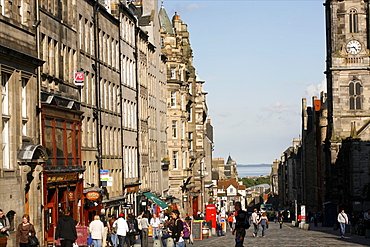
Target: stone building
{"x": 153, "y": 101}
{"x": 22, "y": 154}
{"x": 187, "y": 117}
{"x": 347, "y": 170}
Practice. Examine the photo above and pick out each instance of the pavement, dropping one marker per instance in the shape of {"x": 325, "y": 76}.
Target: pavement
{"x": 288, "y": 236}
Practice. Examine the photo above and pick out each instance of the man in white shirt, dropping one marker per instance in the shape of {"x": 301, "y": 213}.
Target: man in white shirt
{"x": 122, "y": 229}
{"x": 255, "y": 219}
{"x": 343, "y": 221}
{"x": 155, "y": 222}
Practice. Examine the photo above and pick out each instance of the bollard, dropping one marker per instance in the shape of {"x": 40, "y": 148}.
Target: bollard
{"x": 157, "y": 243}
{"x": 169, "y": 242}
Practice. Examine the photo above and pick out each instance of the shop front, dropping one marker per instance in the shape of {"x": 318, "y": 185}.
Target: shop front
{"x": 62, "y": 173}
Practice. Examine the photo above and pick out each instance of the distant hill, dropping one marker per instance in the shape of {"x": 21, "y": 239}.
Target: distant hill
{"x": 264, "y": 165}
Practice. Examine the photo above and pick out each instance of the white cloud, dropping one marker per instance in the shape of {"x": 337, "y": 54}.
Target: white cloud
{"x": 315, "y": 90}
{"x": 192, "y": 6}
{"x": 278, "y": 107}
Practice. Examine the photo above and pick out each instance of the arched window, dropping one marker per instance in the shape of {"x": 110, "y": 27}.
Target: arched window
{"x": 355, "y": 97}
{"x": 353, "y": 21}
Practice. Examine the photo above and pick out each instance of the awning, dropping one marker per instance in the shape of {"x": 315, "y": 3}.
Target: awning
{"x": 156, "y": 200}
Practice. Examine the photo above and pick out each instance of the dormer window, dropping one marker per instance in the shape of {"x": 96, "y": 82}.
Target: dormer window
{"x": 353, "y": 21}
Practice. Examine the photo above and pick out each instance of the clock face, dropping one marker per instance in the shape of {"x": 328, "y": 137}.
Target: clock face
{"x": 353, "y": 47}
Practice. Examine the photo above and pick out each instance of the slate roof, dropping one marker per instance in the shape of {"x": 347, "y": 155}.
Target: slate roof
{"x": 165, "y": 21}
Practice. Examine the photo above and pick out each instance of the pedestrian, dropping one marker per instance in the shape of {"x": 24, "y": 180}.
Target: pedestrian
{"x": 24, "y": 230}
{"x": 122, "y": 229}
{"x": 255, "y": 219}
{"x": 145, "y": 227}
{"x": 112, "y": 230}
{"x": 103, "y": 219}
{"x": 264, "y": 223}
{"x": 167, "y": 231}
{"x": 218, "y": 224}
{"x": 155, "y": 223}
{"x": 343, "y": 221}
{"x": 281, "y": 218}
{"x": 4, "y": 227}
{"x": 230, "y": 220}
{"x": 96, "y": 229}
{"x": 133, "y": 230}
{"x": 241, "y": 224}
{"x": 66, "y": 230}
{"x": 186, "y": 231}
{"x": 178, "y": 229}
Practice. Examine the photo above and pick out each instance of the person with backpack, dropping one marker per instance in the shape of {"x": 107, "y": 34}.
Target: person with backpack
{"x": 255, "y": 219}
{"x": 133, "y": 230}
{"x": 241, "y": 224}
{"x": 186, "y": 231}
{"x": 155, "y": 223}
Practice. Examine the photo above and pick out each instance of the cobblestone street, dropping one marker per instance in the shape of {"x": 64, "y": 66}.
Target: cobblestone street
{"x": 289, "y": 236}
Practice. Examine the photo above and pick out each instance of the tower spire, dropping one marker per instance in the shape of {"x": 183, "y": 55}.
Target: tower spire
{"x": 162, "y": 5}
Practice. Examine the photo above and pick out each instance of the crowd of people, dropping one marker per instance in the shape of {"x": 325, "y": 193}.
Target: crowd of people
{"x": 131, "y": 230}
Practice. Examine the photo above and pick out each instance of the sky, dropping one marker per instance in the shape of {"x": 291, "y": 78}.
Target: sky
{"x": 258, "y": 60}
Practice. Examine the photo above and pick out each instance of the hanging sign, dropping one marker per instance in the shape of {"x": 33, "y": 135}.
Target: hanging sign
{"x": 79, "y": 78}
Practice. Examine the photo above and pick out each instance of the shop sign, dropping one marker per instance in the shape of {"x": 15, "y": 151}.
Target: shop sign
{"x": 92, "y": 195}
{"x": 79, "y": 77}
{"x": 132, "y": 189}
{"x": 61, "y": 178}
{"x": 70, "y": 195}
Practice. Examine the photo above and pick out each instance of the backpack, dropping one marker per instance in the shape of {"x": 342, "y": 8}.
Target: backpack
{"x": 245, "y": 223}
{"x": 131, "y": 226}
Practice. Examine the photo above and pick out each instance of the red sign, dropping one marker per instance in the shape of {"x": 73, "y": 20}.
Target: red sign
{"x": 79, "y": 78}
{"x": 92, "y": 195}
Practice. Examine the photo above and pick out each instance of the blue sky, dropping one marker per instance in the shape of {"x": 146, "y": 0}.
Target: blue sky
{"x": 258, "y": 60}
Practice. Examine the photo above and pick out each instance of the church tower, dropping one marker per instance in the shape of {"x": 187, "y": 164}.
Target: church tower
{"x": 348, "y": 68}
{"x": 347, "y": 141}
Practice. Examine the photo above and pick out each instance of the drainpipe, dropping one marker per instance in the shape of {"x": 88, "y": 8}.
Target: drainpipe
{"x": 38, "y": 78}
{"x": 121, "y": 97}
{"x": 96, "y": 67}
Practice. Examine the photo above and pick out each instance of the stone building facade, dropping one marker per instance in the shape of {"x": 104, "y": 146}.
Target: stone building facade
{"x": 187, "y": 117}
{"x": 22, "y": 154}
{"x": 348, "y": 96}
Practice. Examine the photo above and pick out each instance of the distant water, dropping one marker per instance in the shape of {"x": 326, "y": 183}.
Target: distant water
{"x": 253, "y": 170}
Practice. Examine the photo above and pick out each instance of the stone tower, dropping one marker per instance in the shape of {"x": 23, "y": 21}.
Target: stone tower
{"x": 347, "y": 141}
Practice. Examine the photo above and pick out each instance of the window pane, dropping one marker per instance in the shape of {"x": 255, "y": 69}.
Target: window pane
{"x": 59, "y": 142}
{"x": 49, "y": 141}
{"x": 351, "y": 89}
{"x": 358, "y": 88}
{"x": 69, "y": 143}
{"x": 352, "y": 103}
{"x": 358, "y": 103}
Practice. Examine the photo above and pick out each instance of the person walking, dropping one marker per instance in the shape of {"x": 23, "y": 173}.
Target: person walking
{"x": 96, "y": 228}
{"x": 178, "y": 229}
{"x": 122, "y": 229}
{"x": 230, "y": 219}
{"x": 112, "y": 230}
{"x": 103, "y": 219}
{"x": 343, "y": 221}
{"x": 24, "y": 230}
{"x": 133, "y": 230}
{"x": 241, "y": 224}
{"x": 155, "y": 223}
{"x": 218, "y": 224}
{"x": 255, "y": 219}
{"x": 4, "y": 227}
{"x": 66, "y": 230}
{"x": 264, "y": 223}
{"x": 145, "y": 231}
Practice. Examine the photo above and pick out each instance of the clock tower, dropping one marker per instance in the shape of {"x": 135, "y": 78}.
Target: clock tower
{"x": 348, "y": 68}
{"x": 347, "y": 141}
